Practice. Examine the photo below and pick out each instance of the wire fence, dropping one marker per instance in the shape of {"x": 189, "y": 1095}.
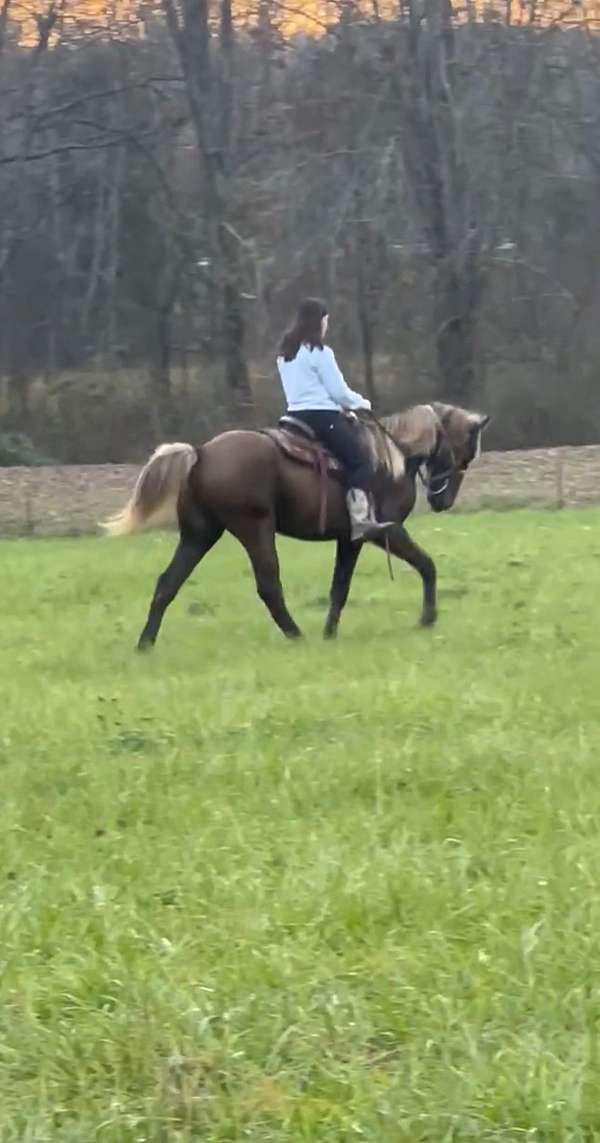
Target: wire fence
{"x": 70, "y": 501}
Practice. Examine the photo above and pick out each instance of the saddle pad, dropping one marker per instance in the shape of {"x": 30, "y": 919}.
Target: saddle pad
{"x": 302, "y": 451}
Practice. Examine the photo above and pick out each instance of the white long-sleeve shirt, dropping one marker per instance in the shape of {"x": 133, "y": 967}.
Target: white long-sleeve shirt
{"x": 313, "y": 380}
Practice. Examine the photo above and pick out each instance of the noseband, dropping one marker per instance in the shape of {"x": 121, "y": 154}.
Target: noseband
{"x": 427, "y": 479}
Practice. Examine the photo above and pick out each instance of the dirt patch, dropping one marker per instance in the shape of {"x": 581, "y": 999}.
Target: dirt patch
{"x": 70, "y": 500}
{"x": 61, "y": 501}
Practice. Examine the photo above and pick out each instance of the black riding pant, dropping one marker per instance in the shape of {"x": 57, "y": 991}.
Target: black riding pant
{"x": 343, "y": 438}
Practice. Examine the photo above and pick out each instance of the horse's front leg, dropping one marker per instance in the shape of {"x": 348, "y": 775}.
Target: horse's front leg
{"x": 345, "y": 562}
{"x": 401, "y": 545}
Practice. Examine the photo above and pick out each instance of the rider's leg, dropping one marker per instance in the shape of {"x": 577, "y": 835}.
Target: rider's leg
{"x": 342, "y": 437}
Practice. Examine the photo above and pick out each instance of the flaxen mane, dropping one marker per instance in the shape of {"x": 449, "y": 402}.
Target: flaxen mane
{"x": 415, "y": 432}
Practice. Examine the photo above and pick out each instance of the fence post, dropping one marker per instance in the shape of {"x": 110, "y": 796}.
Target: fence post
{"x": 560, "y": 478}
{"x": 29, "y": 522}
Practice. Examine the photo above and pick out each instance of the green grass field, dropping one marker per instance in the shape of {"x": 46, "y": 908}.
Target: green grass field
{"x": 253, "y": 890}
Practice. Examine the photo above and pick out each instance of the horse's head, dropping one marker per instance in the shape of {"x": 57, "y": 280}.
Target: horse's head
{"x": 458, "y": 442}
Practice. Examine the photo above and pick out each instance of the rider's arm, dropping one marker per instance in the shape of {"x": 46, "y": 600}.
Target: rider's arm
{"x": 332, "y": 378}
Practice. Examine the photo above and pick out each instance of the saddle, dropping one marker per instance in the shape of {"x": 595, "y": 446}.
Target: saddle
{"x": 298, "y": 442}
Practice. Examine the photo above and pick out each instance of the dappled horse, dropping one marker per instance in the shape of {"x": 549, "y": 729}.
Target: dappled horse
{"x": 256, "y": 484}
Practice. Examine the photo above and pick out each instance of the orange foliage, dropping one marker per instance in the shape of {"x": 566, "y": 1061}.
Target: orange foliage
{"x": 290, "y": 16}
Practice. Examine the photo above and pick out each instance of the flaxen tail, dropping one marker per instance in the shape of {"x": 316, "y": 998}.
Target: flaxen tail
{"x": 156, "y": 490}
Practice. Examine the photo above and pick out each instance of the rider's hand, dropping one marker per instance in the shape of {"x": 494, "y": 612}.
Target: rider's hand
{"x": 350, "y": 414}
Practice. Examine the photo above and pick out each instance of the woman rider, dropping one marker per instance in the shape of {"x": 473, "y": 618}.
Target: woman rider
{"x": 317, "y": 394}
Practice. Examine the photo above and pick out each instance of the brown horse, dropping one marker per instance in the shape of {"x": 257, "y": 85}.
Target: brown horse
{"x": 243, "y": 482}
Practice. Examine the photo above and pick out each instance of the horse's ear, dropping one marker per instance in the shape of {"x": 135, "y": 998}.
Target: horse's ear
{"x": 479, "y": 421}
{"x": 484, "y": 421}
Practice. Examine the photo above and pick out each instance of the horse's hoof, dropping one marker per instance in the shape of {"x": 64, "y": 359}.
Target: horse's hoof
{"x": 144, "y": 646}
{"x": 330, "y": 633}
{"x": 428, "y": 619}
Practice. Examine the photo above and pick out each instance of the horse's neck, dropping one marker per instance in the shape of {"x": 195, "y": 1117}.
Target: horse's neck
{"x": 415, "y": 430}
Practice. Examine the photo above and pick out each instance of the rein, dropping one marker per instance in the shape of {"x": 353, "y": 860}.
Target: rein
{"x": 388, "y": 437}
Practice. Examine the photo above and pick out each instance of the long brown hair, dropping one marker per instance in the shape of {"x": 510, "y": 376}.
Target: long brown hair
{"x": 305, "y": 330}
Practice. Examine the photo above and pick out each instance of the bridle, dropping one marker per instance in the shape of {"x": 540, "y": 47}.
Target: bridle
{"x": 444, "y": 476}
{"x": 426, "y": 477}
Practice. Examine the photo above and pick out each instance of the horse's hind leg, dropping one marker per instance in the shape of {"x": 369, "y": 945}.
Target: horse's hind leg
{"x": 258, "y": 538}
{"x": 190, "y": 550}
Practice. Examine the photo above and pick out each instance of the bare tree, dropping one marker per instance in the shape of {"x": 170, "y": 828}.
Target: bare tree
{"x": 207, "y": 65}
{"x": 165, "y": 200}
{"x": 436, "y": 167}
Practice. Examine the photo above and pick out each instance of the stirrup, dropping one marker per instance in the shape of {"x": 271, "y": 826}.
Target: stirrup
{"x": 369, "y": 530}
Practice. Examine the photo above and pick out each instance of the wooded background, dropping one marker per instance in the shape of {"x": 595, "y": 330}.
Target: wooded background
{"x": 173, "y": 177}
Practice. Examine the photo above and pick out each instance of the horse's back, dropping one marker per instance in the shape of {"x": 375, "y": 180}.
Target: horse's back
{"x": 244, "y": 472}
{"x": 237, "y": 470}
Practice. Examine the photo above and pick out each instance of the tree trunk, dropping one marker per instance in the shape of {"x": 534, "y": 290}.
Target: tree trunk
{"x": 366, "y": 338}
{"x": 362, "y": 244}
{"x": 164, "y": 415}
{"x": 457, "y": 297}
{"x": 210, "y": 90}
{"x": 435, "y": 164}
{"x": 455, "y": 348}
